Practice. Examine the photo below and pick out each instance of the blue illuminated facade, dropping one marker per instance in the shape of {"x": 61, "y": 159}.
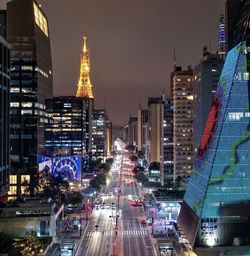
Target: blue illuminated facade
{"x": 216, "y": 208}
{"x": 67, "y": 167}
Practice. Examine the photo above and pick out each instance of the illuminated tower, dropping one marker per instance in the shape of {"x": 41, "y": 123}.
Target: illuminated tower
{"x": 222, "y": 39}
{"x": 84, "y": 87}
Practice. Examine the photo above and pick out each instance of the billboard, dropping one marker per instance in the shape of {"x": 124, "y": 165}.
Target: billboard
{"x": 68, "y": 167}
{"x": 44, "y": 163}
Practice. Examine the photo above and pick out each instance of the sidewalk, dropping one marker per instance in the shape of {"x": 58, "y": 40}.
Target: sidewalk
{"x": 74, "y": 236}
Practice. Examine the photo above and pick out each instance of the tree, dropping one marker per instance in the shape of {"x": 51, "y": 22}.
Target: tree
{"x": 74, "y": 198}
{"x": 98, "y": 181}
{"x": 141, "y": 177}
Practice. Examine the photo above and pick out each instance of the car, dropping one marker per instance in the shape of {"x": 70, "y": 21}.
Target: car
{"x": 96, "y": 227}
{"x": 143, "y": 222}
{"x": 110, "y": 194}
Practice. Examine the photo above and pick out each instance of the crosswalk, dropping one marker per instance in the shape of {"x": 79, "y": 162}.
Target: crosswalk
{"x": 129, "y": 232}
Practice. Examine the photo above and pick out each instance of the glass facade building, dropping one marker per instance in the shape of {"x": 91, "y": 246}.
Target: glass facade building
{"x": 31, "y": 84}
{"x": 206, "y": 77}
{"x": 216, "y": 208}
{"x": 4, "y": 117}
{"x": 68, "y": 131}
{"x": 99, "y": 135}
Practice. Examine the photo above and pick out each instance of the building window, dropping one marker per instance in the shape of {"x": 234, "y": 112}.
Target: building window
{"x": 12, "y": 190}
{"x": 27, "y": 104}
{"x": 14, "y": 90}
{"x": 14, "y": 104}
{"x": 13, "y": 179}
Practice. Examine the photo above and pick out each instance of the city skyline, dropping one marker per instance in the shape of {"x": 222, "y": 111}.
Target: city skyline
{"x": 131, "y": 46}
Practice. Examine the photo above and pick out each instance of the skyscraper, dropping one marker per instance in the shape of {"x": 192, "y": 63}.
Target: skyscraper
{"x": 206, "y": 78}
{"x": 182, "y": 96}
{"x": 4, "y": 113}
{"x": 156, "y": 133}
{"x": 31, "y": 84}
{"x": 67, "y": 133}
{"x": 168, "y": 154}
{"x": 131, "y": 130}
{"x": 99, "y": 150}
{"x": 142, "y": 130}
{"x": 108, "y": 127}
{"x": 216, "y": 208}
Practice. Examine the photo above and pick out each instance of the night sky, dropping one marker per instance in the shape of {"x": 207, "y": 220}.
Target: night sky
{"x": 131, "y": 44}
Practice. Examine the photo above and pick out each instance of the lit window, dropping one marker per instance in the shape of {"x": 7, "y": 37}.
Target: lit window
{"x": 13, "y": 179}
{"x": 25, "y": 190}
{"x": 27, "y": 68}
{"x": 12, "y": 190}
{"x": 14, "y": 89}
{"x": 40, "y": 19}
{"x": 246, "y": 76}
{"x": 26, "y": 112}
{"x": 14, "y": 104}
{"x": 25, "y": 178}
{"x": 26, "y": 104}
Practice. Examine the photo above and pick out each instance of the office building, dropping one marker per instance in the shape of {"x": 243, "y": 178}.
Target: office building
{"x": 68, "y": 131}
{"x": 142, "y": 131}
{"x": 216, "y": 207}
{"x": 182, "y": 96}
{"x": 206, "y": 77}
{"x": 160, "y": 144}
{"x": 168, "y": 142}
{"x": 99, "y": 150}
{"x": 156, "y": 133}
{"x": 4, "y": 115}
{"x": 108, "y": 127}
{"x": 31, "y": 84}
{"x": 131, "y": 131}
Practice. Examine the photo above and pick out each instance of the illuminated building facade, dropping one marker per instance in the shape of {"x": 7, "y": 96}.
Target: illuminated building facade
{"x": 4, "y": 116}
{"x": 216, "y": 208}
{"x": 182, "y": 96}
{"x": 206, "y": 77}
{"x": 222, "y": 38}
{"x": 31, "y": 84}
{"x": 156, "y": 114}
{"x": 160, "y": 134}
{"x": 68, "y": 132}
{"x": 108, "y": 127}
{"x": 99, "y": 135}
{"x": 84, "y": 87}
{"x": 142, "y": 131}
{"x": 131, "y": 131}
{"x": 168, "y": 142}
